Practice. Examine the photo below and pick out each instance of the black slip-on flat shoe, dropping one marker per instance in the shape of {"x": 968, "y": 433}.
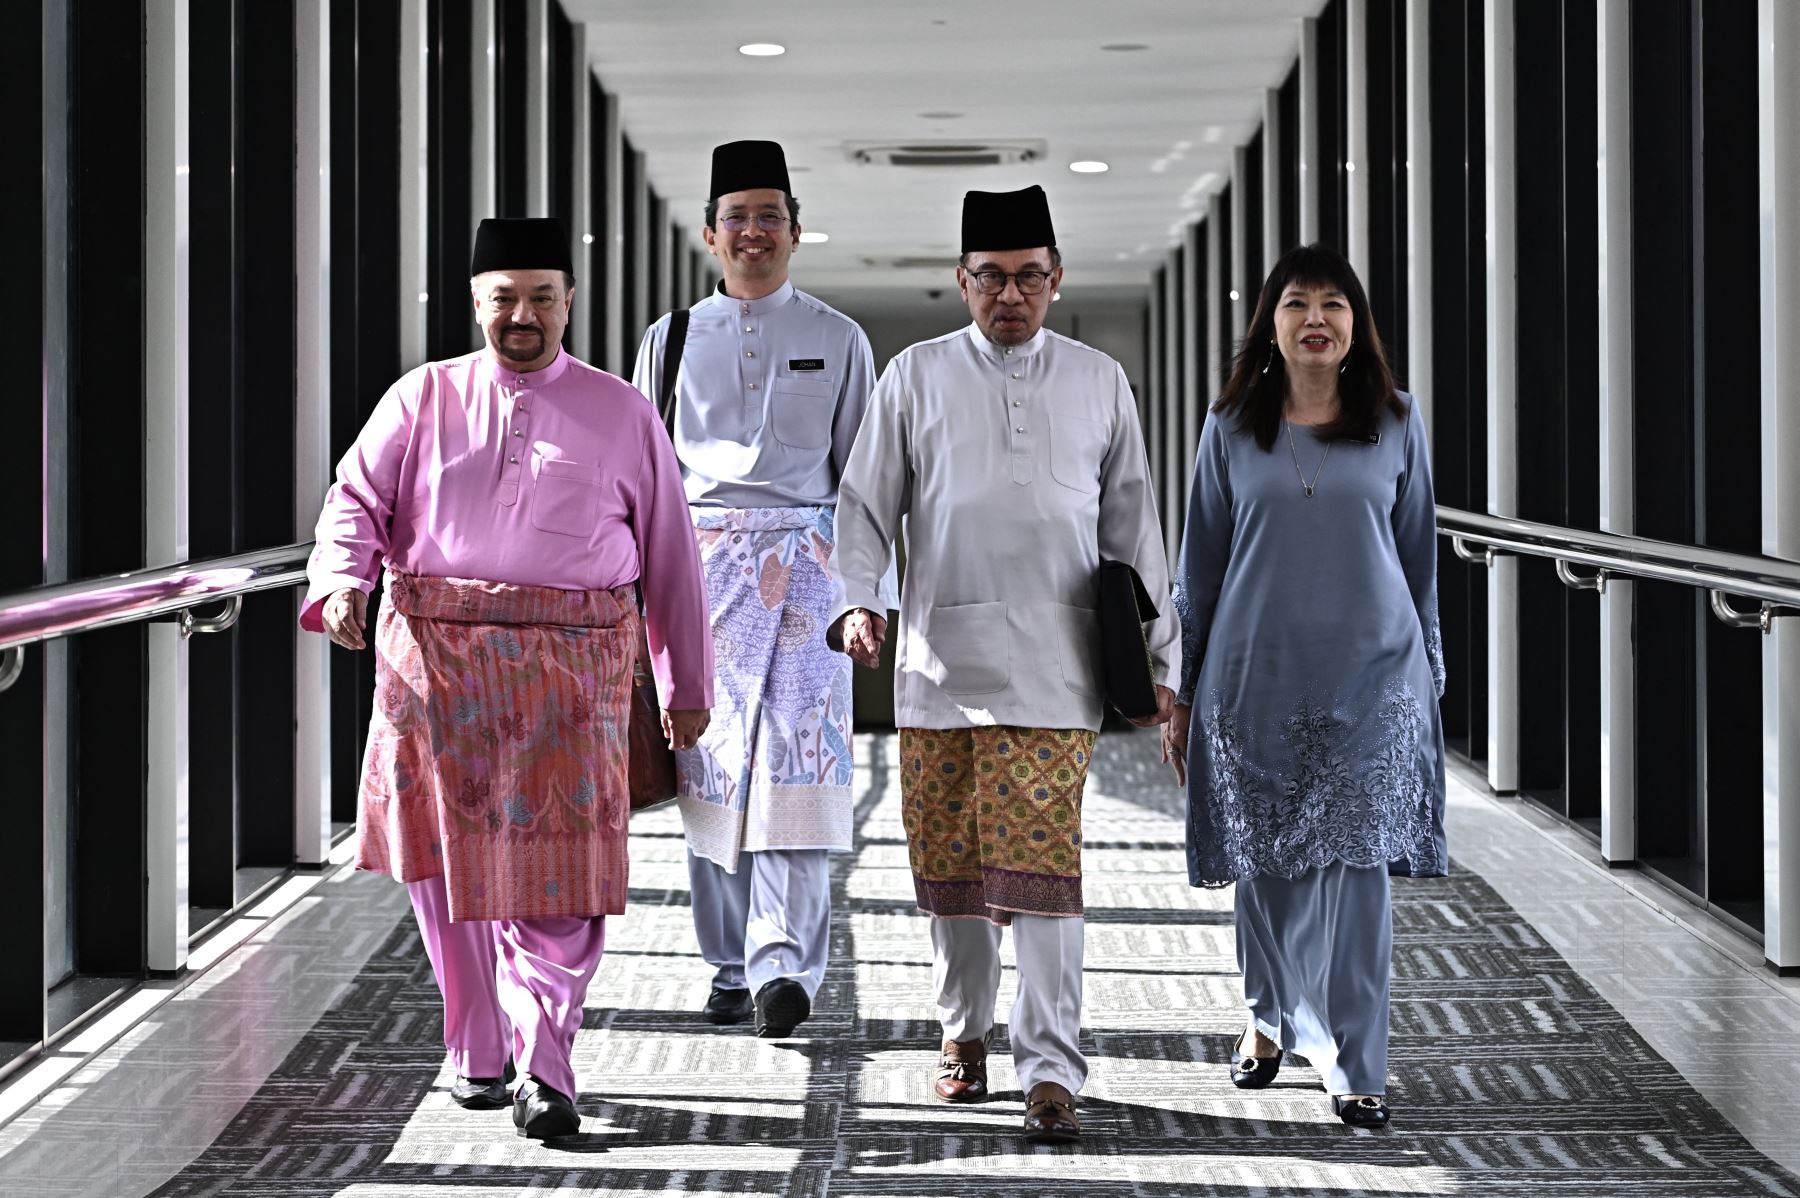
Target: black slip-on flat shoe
{"x": 1253, "y": 1073}
{"x": 1361, "y": 1112}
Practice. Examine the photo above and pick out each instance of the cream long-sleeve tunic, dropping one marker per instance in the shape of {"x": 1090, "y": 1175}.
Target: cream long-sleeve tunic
{"x": 1015, "y": 470}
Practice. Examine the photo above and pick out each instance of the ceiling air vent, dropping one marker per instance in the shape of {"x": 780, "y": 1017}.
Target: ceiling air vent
{"x": 945, "y": 153}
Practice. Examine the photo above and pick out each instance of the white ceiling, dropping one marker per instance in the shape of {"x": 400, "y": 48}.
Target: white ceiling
{"x": 1165, "y": 118}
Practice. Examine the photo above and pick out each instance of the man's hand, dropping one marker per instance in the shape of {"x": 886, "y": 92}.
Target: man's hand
{"x": 864, "y": 631}
{"x": 682, "y": 729}
{"x": 1165, "y": 706}
{"x": 344, "y": 615}
{"x": 1174, "y": 741}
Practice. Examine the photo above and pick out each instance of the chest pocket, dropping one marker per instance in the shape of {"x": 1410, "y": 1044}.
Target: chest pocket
{"x": 566, "y": 497}
{"x": 801, "y": 411}
{"x": 1076, "y": 447}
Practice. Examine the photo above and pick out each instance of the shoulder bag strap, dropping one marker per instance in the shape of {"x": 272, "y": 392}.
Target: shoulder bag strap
{"x": 671, "y": 366}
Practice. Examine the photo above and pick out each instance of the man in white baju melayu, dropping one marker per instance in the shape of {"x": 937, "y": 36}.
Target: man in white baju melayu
{"x": 1015, "y": 458}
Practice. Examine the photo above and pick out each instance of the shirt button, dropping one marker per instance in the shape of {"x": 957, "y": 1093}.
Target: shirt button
{"x": 1015, "y": 374}
{"x": 1018, "y": 403}
{"x": 749, "y": 328}
{"x": 517, "y": 433}
{"x": 744, "y": 308}
{"x": 752, "y": 386}
{"x": 1019, "y": 428}
{"x": 511, "y": 458}
{"x": 524, "y": 411}
{"x": 749, "y": 353}
{"x": 1009, "y": 353}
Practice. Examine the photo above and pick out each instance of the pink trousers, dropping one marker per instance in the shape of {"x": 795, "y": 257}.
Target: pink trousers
{"x": 511, "y": 987}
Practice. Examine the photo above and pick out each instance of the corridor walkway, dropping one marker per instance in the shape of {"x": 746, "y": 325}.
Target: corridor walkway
{"x": 308, "y": 1062}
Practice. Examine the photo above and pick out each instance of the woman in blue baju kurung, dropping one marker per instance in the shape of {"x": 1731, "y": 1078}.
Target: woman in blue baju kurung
{"x": 1311, "y": 672}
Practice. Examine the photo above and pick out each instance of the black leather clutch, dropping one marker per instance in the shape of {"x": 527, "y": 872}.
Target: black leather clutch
{"x": 1125, "y": 608}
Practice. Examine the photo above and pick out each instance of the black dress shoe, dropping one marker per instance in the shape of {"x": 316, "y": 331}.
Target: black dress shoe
{"x": 1360, "y": 1112}
{"x": 1253, "y": 1073}
{"x": 541, "y": 1113}
{"x": 728, "y": 1006}
{"x": 781, "y": 1006}
{"x": 480, "y": 1093}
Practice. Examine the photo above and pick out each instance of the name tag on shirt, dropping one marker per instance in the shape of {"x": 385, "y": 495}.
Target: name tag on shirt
{"x": 806, "y": 363}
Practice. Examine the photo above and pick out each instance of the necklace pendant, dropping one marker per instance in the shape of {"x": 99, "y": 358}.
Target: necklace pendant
{"x": 1309, "y": 492}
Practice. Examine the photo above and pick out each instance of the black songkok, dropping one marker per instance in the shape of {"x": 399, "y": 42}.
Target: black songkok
{"x": 1006, "y": 220}
{"x": 747, "y": 166}
{"x": 521, "y": 243}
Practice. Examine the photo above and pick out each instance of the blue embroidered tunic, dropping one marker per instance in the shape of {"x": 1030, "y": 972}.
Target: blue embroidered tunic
{"x": 1311, "y": 655}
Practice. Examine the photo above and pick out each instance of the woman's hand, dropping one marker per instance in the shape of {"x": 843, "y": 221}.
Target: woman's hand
{"x": 1174, "y": 742}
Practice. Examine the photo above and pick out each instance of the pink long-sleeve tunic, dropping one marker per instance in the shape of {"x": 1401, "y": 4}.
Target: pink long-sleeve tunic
{"x": 562, "y": 477}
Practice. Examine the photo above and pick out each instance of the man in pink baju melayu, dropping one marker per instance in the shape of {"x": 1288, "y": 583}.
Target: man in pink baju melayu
{"x": 514, "y": 496}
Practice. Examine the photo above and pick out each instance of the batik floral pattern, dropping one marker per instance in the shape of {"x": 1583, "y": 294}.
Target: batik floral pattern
{"x": 774, "y": 769}
{"x": 496, "y": 752}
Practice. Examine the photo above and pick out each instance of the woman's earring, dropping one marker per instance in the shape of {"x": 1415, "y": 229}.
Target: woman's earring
{"x": 1270, "y": 360}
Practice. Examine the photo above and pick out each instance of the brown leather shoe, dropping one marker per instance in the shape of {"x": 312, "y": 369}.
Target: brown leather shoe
{"x": 1050, "y": 1115}
{"x": 962, "y": 1071}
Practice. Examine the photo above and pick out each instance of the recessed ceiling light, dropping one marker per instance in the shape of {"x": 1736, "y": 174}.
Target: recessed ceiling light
{"x": 762, "y": 49}
{"x": 1124, "y": 47}
{"x": 1088, "y": 166}
{"x": 941, "y": 116}
{"x": 587, "y": 239}
{"x": 811, "y": 238}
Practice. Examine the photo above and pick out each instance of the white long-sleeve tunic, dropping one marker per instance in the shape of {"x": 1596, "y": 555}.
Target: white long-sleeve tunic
{"x": 768, "y": 398}
{"x": 1016, "y": 470}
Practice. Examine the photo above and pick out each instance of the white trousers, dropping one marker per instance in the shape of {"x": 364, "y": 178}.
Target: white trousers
{"x": 771, "y": 919}
{"x": 1046, "y": 1015}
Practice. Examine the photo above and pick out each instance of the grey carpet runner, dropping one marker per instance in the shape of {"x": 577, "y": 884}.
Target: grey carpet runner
{"x": 1509, "y": 1075}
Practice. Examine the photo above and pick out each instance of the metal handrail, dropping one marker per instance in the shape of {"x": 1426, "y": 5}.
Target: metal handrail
{"x": 45, "y": 613}
{"x": 1774, "y": 581}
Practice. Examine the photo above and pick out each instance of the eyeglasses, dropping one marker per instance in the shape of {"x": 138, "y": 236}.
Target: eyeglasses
{"x": 768, "y": 222}
{"x": 993, "y": 282}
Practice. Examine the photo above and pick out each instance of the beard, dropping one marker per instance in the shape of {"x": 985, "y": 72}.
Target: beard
{"x": 521, "y": 349}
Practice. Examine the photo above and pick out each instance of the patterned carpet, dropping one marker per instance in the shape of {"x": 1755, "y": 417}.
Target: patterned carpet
{"x": 1510, "y": 1077}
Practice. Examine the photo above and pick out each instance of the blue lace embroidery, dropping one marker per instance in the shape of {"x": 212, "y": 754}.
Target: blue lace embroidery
{"x": 1336, "y": 804}
{"x": 1191, "y": 646}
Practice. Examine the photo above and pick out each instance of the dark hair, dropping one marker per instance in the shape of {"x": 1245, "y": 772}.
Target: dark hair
{"x": 712, "y": 211}
{"x": 962, "y": 259}
{"x": 1256, "y": 395}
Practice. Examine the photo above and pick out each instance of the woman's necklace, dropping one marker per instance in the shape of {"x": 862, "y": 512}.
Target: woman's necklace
{"x": 1308, "y": 487}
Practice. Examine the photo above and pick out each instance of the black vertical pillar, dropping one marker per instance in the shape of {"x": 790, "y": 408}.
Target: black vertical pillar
{"x": 105, "y": 297}
{"x": 263, "y": 392}
{"x": 22, "y": 538}
{"x": 603, "y": 254}
{"x": 450, "y": 331}
{"x": 1665, "y": 436}
{"x": 1288, "y": 108}
{"x": 512, "y": 53}
{"x": 1727, "y": 402}
{"x": 365, "y": 283}
{"x": 1459, "y": 314}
